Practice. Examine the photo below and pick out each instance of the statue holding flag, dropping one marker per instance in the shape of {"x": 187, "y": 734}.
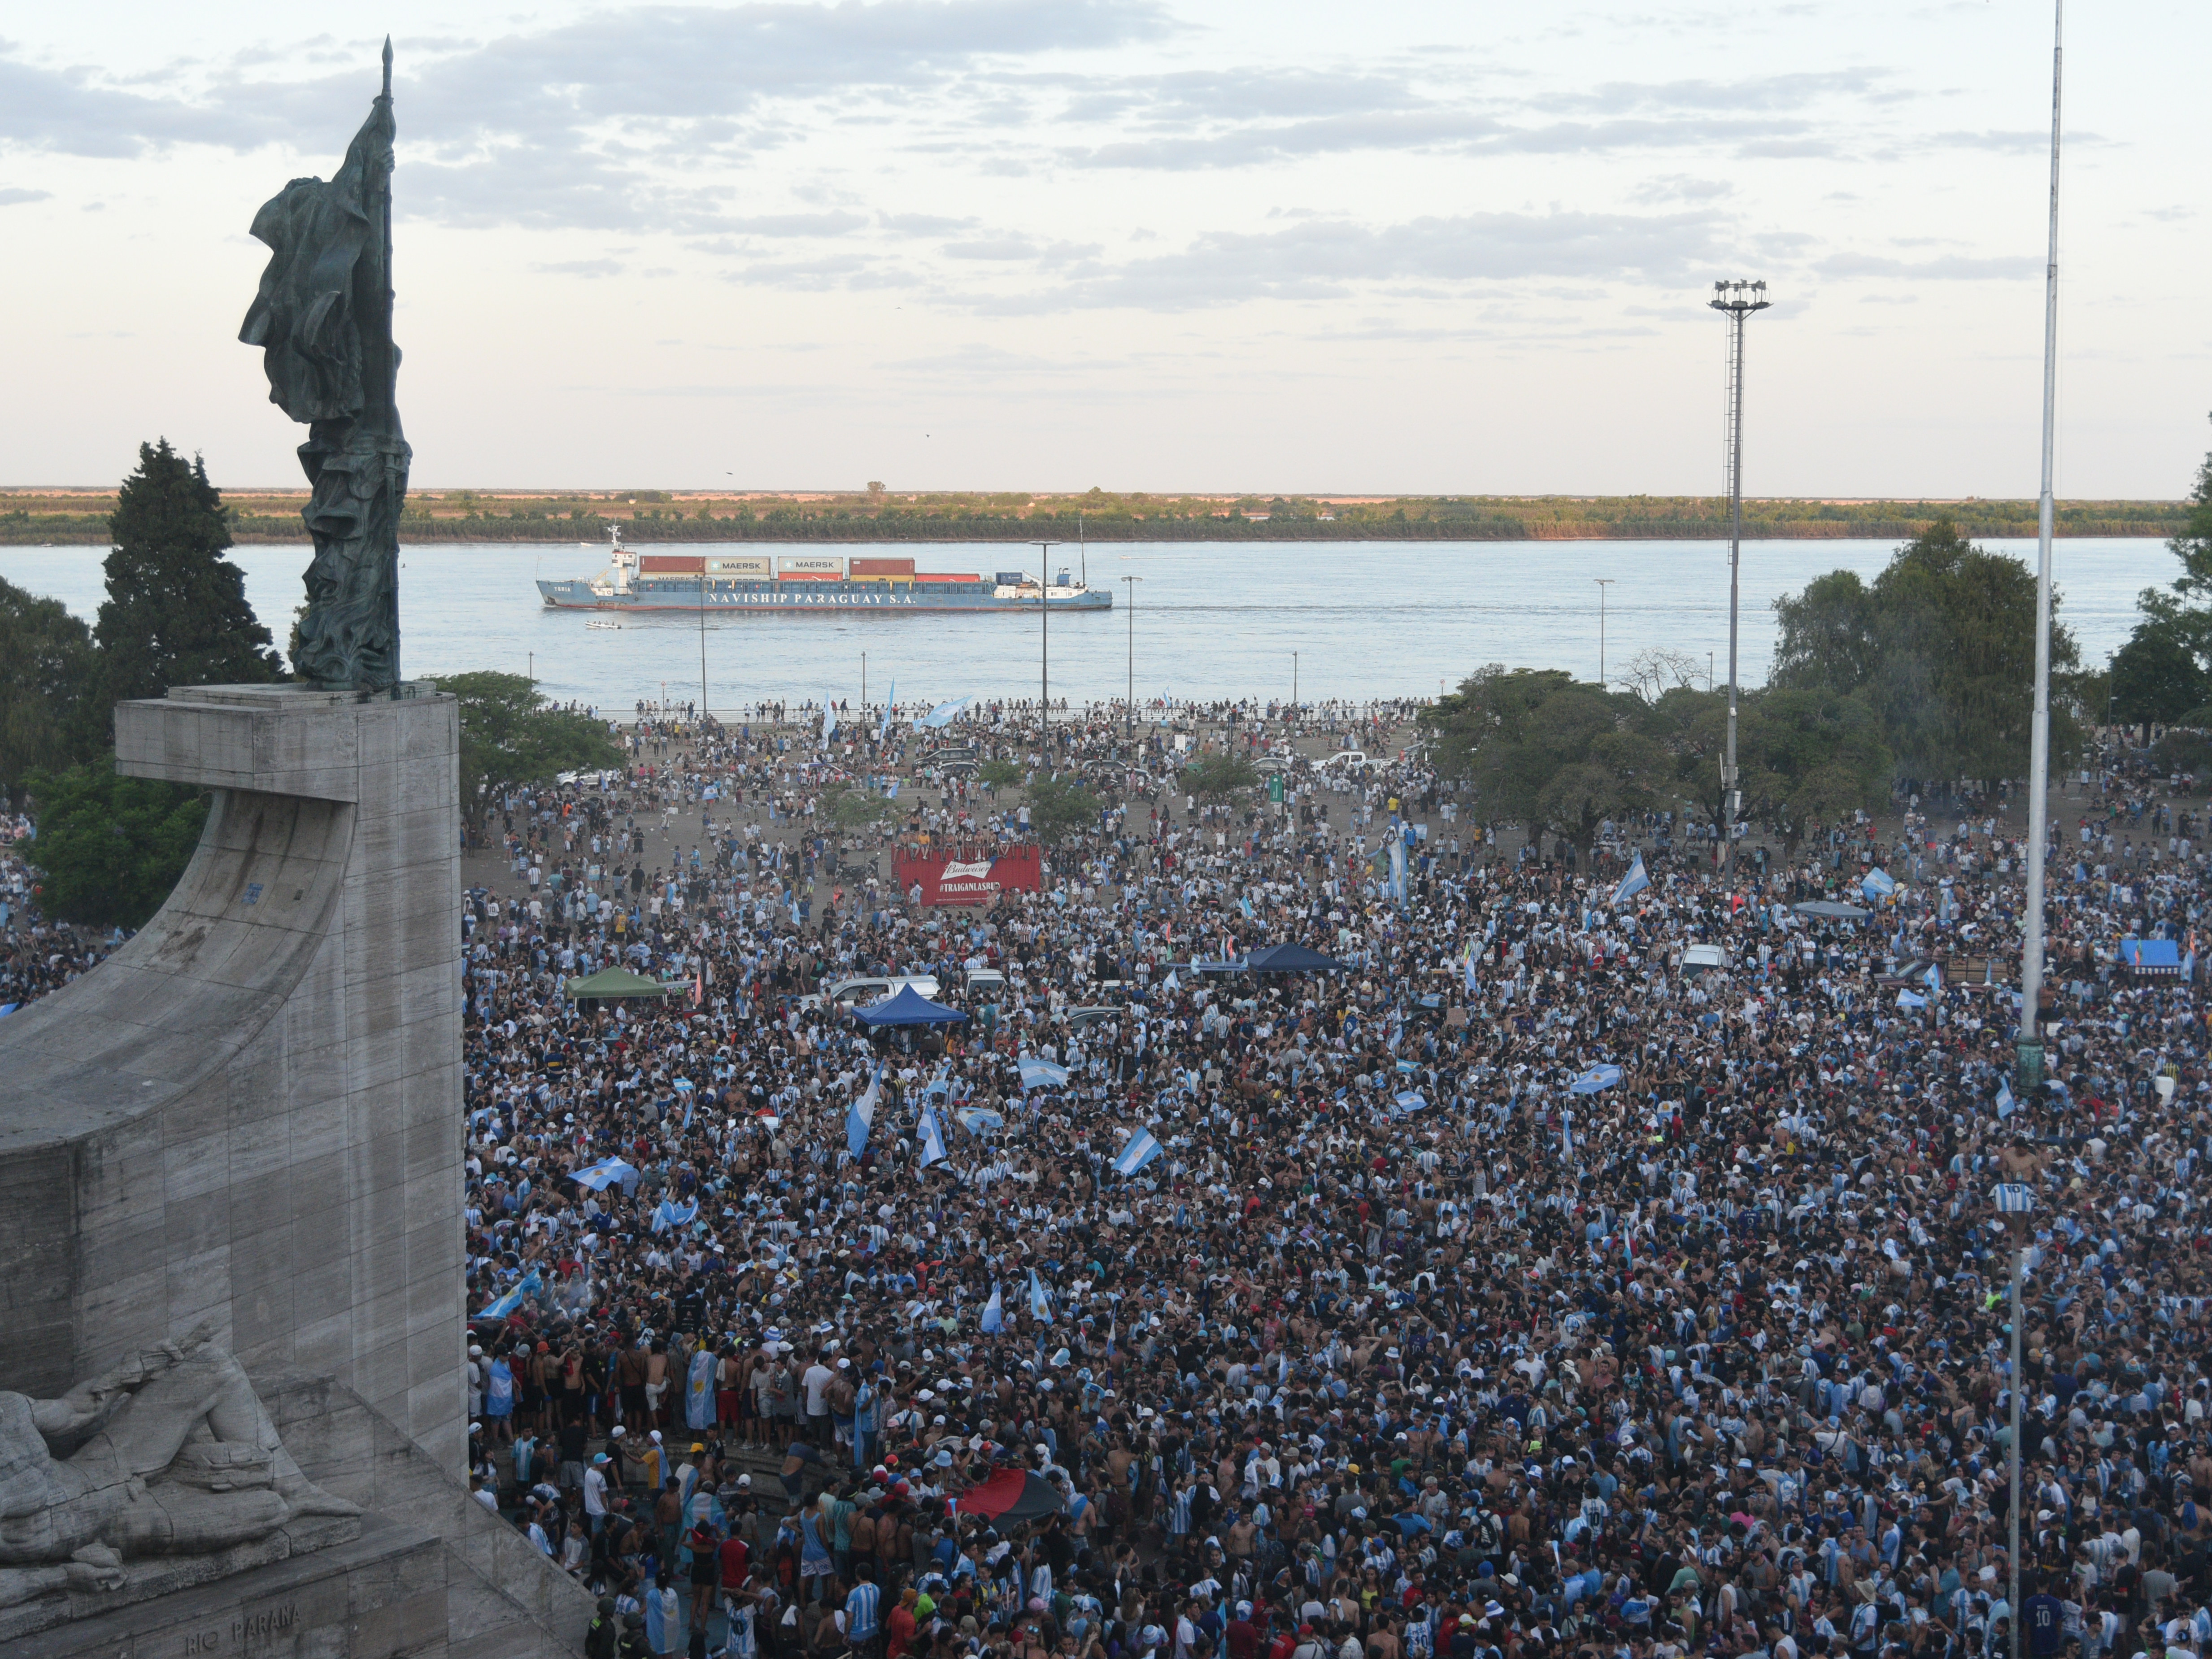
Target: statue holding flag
{"x": 323, "y": 320}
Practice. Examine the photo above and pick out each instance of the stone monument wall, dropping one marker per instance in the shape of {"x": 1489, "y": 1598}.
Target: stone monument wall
{"x": 251, "y": 1114}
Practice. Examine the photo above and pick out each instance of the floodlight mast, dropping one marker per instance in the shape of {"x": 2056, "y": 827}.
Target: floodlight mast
{"x": 1735, "y": 301}
{"x": 2029, "y": 1037}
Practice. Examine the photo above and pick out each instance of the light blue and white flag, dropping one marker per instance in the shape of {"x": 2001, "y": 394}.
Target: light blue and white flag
{"x": 829, "y": 717}
{"x": 1040, "y": 1298}
{"x": 1909, "y": 998}
{"x": 665, "y": 1215}
{"x": 1467, "y": 967}
{"x": 602, "y": 1175}
{"x": 502, "y": 1306}
{"x": 1409, "y": 1102}
{"x": 1935, "y": 979}
{"x": 980, "y": 1120}
{"x": 1632, "y": 884}
{"x": 945, "y": 713}
{"x": 931, "y": 1138}
{"x": 1597, "y": 1077}
{"x": 995, "y": 1314}
{"x": 883, "y": 730}
{"x": 2006, "y": 1104}
{"x": 1878, "y": 884}
{"x": 1042, "y": 1074}
{"x": 1137, "y": 1152}
{"x": 1398, "y": 869}
{"x": 860, "y": 1116}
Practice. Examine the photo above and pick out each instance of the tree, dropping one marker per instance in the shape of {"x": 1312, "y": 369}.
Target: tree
{"x": 1540, "y": 749}
{"x": 2156, "y": 678}
{"x": 1059, "y": 811}
{"x": 511, "y": 736}
{"x": 1217, "y": 777}
{"x": 858, "y": 809}
{"x": 109, "y": 848}
{"x": 996, "y": 774}
{"x": 1801, "y": 755}
{"x": 1941, "y": 647}
{"x": 1653, "y": 672}
{"x": 2186, "y": 612}
{"x": 50, "y": 711}
{"x": 1828, "y": 634}
{"x": 176, "y": 612}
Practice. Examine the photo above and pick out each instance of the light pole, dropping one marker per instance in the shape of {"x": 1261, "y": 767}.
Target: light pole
{"x": 1604, "y": 582}
{"x": 1044, "y": 637}
{"x": 1131, "y": 601}
{"x": 1735, "y": 300}
{"x": 2030, "y": 1038}
{"x": 1294, "y": 685}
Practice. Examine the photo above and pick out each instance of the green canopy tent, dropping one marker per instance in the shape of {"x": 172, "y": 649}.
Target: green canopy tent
{"x": 611, "y": 984}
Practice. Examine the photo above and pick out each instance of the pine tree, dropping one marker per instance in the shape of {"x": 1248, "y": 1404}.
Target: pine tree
{"x": 176, "y": 611}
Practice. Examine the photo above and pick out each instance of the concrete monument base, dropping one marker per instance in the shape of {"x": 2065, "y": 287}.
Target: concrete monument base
{"x": 249, "y": 1117}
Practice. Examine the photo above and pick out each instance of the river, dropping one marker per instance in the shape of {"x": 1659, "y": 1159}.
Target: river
{"x": 1354, "y": 620}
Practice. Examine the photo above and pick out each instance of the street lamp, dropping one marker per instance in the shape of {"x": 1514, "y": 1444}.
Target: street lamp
{"x": 1130, "y": 720}
{"x": 1044, "y": 637}
{"x": 1604, "y": 582}
{"x": 1736, "y": 301}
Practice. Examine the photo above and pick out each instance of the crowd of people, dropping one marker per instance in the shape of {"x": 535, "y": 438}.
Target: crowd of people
{"x": 1606, "y": 1265}
{"x": 1578, "y": 1263}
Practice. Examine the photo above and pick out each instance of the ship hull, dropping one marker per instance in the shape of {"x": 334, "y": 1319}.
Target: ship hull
{"x": 795, "y": 598}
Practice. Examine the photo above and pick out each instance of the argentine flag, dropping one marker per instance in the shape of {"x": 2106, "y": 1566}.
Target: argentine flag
{"x": 860, "y": 1117}
{"x": 506, "y": 1304}
{"x": 829, "y": 719}
{"x": 2006, "y": 1104}
{"x": 1632, "y": 884}
{"x": 1597, "y": 1077}
{"x": 1040, "y": 1298}
{"x": 1878, "y": 884}
{"x": 1137, "y": 1152}
{"x": 1910, "y": 1000}
{"x": 1042, "y": 1074}
{"x": 666, "y": 1215}
{"x": 995, "y": 1314}
{"x": 932, "y": 1137}
{"x": 1467, "y": 967}
{"x": 883, "y": 730}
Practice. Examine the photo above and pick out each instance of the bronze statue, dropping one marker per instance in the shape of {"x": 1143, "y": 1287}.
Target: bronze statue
{"x": 323, "y": 319}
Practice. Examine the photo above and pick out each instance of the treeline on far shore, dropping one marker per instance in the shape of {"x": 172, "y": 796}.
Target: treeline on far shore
{"x": 436, "y": 519}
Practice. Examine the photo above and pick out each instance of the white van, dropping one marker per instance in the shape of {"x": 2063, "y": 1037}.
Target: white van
{"x": 865, "y": 993}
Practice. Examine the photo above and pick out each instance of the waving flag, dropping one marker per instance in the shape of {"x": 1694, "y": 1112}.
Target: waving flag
{"x": 506, "y": 1304}
{"x": 1042, "y": 1074}
{"x": 1597, "y": 1077}
{"x": 1466, "y": 966}
{"x": 860, "y": 1116}
{"x": 1040, "y": 1298}
{"x": 1878, "y": 884}
{"x": 665, "y": 1215}
{"x": 1910, "y": 999}
{"x": 2006, "y": 1104}
{"x": 980, "y": 1120}
{"x": 883, "y": 730}
{"x": 829, "y": 719}
{"x": 995, "y": 1314}
{"x": 945, "y": 713}
{"x": 1137, "y": 1152}
{"x": 931, "y": 1138}
{"x": 602, "y": 1175}
{"x": 1411, "y": 1101}
{"x": 1632, "y": 884}
{"x": 1398, "y": 869}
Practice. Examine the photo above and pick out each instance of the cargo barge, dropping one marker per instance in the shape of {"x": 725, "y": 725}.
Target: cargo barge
{"x": 793, "y": 584}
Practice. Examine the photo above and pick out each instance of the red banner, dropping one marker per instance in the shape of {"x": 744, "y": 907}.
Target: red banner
{"x": 969, "y": 878}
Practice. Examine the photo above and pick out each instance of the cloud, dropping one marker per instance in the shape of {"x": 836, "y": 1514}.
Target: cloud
{"x": 584, "y": 268}
{"x": 1318, "y": 259}
{"x": 1954, "y": 268}
{"x": 16, "y": 198}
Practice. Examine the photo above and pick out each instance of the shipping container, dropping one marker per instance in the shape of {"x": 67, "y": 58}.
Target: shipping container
{"x": 670, "y": 564}
{"x": 757, "y": 565}
{"x": 808, "y": 576}
{"x": 882, "y": 568}
{"x": 857, "y": 577}
{"x": 1010, "y": 579}
{"x": 963, "y": 577}
{"x": 809, "y": 564}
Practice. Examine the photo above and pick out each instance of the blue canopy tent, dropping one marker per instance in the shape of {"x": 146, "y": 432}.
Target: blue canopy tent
{"x": 908, "y": 1008}
{"x": 2151, "y": 958}
{"x": 1292, "y": 959}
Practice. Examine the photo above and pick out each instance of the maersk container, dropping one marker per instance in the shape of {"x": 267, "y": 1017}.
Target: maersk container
{"x": 757, "y": 566}
{"x": 831, "y": 565}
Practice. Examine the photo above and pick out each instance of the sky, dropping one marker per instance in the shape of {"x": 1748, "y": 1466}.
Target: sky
{"x": 1158, "y": 244}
